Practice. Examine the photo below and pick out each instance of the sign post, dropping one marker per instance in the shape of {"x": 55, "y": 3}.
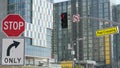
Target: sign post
{"x": 13, "y": 25}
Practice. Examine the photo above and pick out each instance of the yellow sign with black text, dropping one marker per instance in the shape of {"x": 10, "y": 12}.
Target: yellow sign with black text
{"x": 107, "y": 31}
{"x": 66, "y": 64}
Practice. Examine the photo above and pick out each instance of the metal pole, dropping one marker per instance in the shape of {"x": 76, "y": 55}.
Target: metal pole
{"x": 77, "y": 49}
{"x": 73, "y": 53}
{"x": 86, "y": 65}
{"x": 77, "y": 40}
{"x": 73, "y": 62}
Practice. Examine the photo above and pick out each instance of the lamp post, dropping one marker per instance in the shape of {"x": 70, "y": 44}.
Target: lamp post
{"x": 72, "y": 52}
{"x": 77, "y": 40}
{"x": 71, "y": 47}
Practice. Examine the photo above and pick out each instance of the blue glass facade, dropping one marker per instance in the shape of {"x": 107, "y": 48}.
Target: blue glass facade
{"x": 37, "y": 51}
{"x": 31, "y": 50}
{"x": 93, "y": 47}
{"x": 22, "y": 7}
{"x": 61, "y": 36}
{"x": 116, "y": 17}
{"x": 38, "y": 31}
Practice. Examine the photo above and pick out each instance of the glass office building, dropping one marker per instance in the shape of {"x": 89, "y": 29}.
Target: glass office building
{"x": 116, "y": 44}
{"x": 89, "y": 47}
{"x": 38, "y": 15}
{"x": 60, "y": 35}
{"x": 94, "y": 48}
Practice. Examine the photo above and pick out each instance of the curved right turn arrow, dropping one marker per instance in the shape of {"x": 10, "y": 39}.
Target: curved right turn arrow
{"x": 15, "y": 43}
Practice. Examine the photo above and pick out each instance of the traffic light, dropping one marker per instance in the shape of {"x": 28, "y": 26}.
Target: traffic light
{"x": 64, "y": 20}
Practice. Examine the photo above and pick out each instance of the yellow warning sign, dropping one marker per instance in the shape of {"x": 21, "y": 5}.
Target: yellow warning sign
{"x": 67, "y": 64}
{"x": 107, "y": 31}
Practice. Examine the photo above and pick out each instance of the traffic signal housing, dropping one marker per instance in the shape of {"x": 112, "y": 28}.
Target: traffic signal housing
{"x": 64, "y": 20}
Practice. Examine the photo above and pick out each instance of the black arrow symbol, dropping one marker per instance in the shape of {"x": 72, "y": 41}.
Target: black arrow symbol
{"x": 15, "y": 43}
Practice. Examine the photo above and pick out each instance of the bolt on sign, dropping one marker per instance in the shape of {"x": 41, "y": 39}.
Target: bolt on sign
{"x": 107, "y": 31}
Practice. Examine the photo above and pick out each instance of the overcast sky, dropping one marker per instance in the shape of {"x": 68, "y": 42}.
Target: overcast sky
{"x": 117, "y": 1}
{"x": 59, "y": 0}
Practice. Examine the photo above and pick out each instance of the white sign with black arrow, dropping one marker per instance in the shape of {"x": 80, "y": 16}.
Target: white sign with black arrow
{"x": 12, "y": 51}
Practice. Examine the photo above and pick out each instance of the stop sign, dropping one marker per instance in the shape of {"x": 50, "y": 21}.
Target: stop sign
{"x": 13, "y": 25}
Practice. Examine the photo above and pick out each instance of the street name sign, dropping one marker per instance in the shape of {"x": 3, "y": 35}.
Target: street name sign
{"x": 13, "y": 25}
{"x": 12, "y": 51}
{"x": 107, "y": 31}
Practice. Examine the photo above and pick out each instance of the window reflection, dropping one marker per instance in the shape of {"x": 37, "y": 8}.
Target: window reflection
{"x": 19, "y": 6}
{"x": 28, "y": 41}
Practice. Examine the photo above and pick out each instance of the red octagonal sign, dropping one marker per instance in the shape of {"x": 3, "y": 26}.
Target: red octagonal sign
{"x": 13, "y": 25}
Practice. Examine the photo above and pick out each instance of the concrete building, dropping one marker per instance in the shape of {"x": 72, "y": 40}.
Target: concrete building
{"x": 38, "y": 15}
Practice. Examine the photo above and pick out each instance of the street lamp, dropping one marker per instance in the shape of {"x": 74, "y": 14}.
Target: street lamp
{"x": 77, "y": 40}
{"x": 73, "y": 50}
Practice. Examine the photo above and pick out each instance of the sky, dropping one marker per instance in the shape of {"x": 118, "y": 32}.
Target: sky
{"x": 59, "y": 0}
{"x": 117, "y": 1}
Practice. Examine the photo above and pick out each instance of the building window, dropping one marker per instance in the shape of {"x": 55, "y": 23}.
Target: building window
{"x": 22, "y": 7}
{"x": 28, "y": 41}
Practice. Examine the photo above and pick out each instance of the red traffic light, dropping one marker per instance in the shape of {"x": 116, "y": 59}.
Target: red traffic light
{"x": 62, "y": 15}
{"x": 64, "y": 19}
